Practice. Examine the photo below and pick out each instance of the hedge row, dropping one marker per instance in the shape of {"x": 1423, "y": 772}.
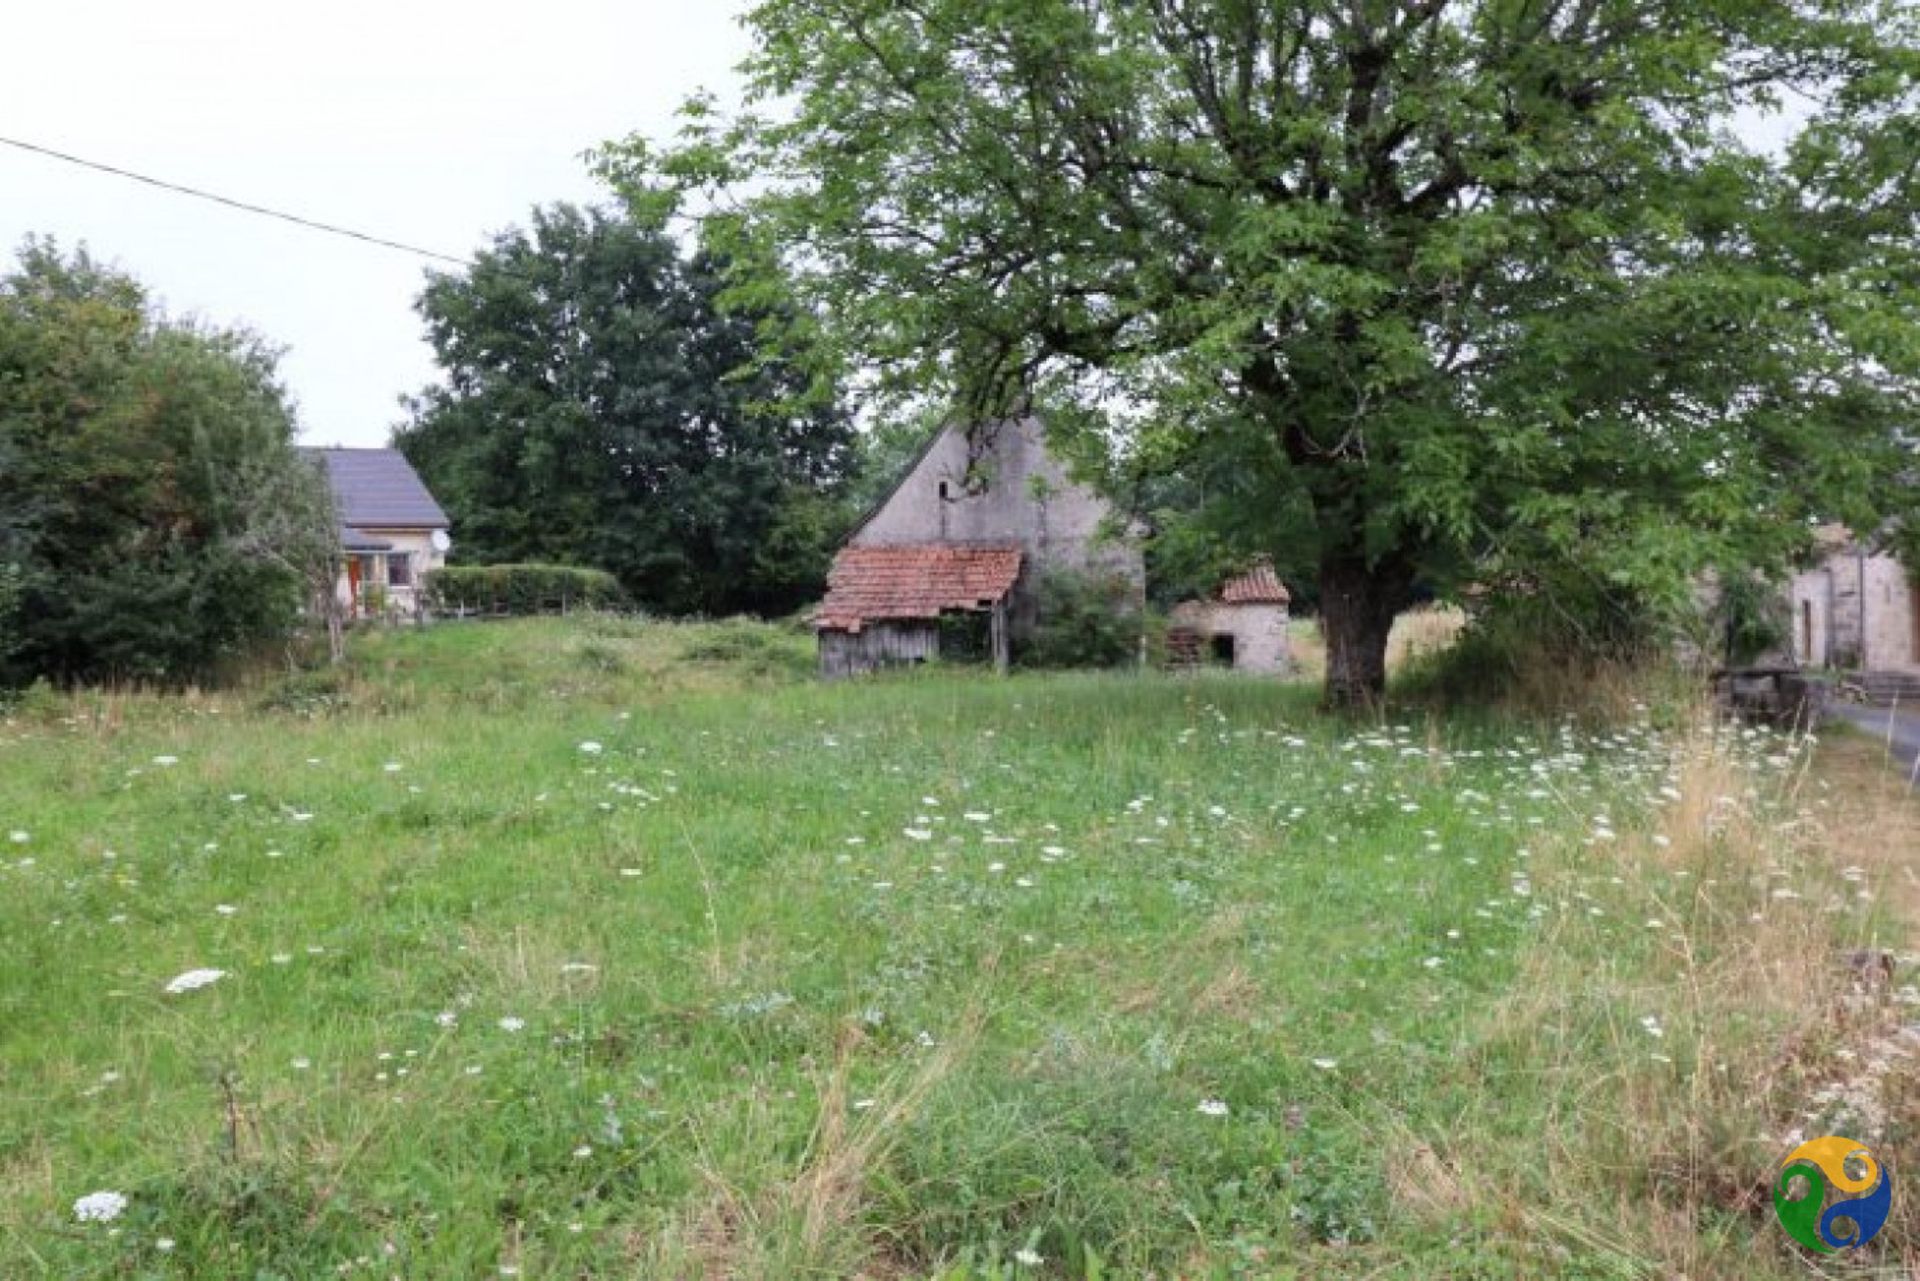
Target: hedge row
{"x": 520, "y": 589}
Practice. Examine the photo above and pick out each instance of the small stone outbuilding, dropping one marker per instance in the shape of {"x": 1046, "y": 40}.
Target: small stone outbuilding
{"x": 1242, "y": 626}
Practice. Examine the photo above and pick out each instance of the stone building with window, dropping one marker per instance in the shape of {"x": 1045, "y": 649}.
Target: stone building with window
{"x": 1857, "y": 609}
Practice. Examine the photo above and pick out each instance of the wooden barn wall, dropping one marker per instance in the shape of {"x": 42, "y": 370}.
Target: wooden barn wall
{"x": 877, "y": 645}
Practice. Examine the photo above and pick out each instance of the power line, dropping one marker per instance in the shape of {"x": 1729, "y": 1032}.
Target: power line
{"x": 177, "y": 188}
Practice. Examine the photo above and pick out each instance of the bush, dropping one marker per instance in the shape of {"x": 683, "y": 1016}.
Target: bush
{"x": 1086, "y": 620}
{"x": 154, "y": 514}
{"x": 1527, "y": 661}
{"x": 520, "y": 589}
{"x": 1755, "y": 617}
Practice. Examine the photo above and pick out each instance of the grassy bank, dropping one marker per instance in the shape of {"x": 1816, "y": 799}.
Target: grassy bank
{"x": 584, "y": 948}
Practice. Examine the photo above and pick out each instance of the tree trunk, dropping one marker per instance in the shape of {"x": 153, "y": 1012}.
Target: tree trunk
{"x": 1357, "y": 609}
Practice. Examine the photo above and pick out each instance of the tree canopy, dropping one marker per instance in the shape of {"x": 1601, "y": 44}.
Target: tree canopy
{"x": 154, "y": 516}
{"x": 598, "y": 409}
{"x": 1441, "y": 291}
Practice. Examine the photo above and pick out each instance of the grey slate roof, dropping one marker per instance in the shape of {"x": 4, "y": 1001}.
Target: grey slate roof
{"x": 378, "y": 489}
{"x": 354, "y": 540}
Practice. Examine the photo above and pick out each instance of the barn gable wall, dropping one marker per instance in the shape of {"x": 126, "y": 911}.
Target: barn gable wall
{"x": 1022, "y": 495}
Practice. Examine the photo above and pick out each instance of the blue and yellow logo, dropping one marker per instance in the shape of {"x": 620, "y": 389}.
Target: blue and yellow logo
{"x": 1800, "y": 1194}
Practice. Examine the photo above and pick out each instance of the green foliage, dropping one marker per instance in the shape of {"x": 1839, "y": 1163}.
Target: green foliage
{"x": 1085, "y": 620}
{"x": 520, "y": 589}
{"x": 600, "y": 408}
{"x": 887, "y": 449}
{"x": 1528, "y": 656}
{"x": 1425, "y": 293}
{"x": 1755, "y": 618}
{"x": 155, "y": 520}
{"x": 748, "y": 647}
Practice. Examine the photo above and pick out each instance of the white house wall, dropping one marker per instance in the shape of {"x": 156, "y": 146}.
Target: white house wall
{"x": 417, "y": 546}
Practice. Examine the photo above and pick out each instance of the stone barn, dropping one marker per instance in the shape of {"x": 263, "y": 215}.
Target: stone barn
{"x": 1857, "y": 609}
{"x": 949, "y": 562}
{"x": 1242, "y": 626}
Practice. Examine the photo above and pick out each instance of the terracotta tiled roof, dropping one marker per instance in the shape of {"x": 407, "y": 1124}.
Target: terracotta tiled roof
{"x": 1258, "y": 586}
{"x": 876, "y": 584}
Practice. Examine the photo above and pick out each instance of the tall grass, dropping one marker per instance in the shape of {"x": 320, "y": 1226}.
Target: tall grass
{"x": 603, "y": 948}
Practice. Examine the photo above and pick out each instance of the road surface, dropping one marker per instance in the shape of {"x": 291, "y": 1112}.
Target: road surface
{"x": 1897, "y": 727}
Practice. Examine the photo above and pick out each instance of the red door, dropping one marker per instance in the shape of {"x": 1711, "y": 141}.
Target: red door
{"x": 353, "y": 584}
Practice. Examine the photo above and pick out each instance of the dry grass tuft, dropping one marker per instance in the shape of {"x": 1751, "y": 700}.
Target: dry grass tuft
{"x": 1753, "y": 884}
{"x": 1425, "y": 1185}
{"x": 809, "y": 1219}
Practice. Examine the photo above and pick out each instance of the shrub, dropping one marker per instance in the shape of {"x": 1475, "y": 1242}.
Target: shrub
{"x": 520, "y": 589}
{"x": 1755, "y": 617}
{"x": 757, "y": 648}
{"x": 154, "y": 515}
{"x": 1086, "y": 620}
{"x": 1526, "y": 660}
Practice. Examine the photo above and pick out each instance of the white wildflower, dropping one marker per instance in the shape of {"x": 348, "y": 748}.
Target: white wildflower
{"x": 1212, "y": 1107}
{"x": 1027, "y": 1258}
{"x": 99, "y": 1207}
{"x": 591, "y": 748}
{"x": 193, "y": 980}
{"x": 512, "y": 1024}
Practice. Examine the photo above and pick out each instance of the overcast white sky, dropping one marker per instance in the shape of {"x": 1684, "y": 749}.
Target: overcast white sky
{"x": 432, "y": 122}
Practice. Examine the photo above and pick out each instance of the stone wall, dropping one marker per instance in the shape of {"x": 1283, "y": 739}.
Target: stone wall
{"x": 1855, "y": 610}
{"x": 1259, "y": 632}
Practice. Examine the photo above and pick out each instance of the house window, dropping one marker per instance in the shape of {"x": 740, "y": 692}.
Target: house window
{"x": 944, "y": 491}
{"x": 1221, "y": 646}
{"x": 400, "y": 569}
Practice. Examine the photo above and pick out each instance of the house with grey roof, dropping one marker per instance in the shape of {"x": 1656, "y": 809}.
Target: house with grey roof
{"x": 392, "y": 532}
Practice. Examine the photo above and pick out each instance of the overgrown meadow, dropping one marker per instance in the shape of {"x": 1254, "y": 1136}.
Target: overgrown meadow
{"x": 601, "y": 948}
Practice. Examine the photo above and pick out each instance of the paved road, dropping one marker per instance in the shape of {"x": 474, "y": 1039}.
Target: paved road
{"x": 1899, "y": 728}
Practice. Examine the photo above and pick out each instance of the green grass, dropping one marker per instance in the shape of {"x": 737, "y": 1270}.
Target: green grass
{"x": 598, "y": 948}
